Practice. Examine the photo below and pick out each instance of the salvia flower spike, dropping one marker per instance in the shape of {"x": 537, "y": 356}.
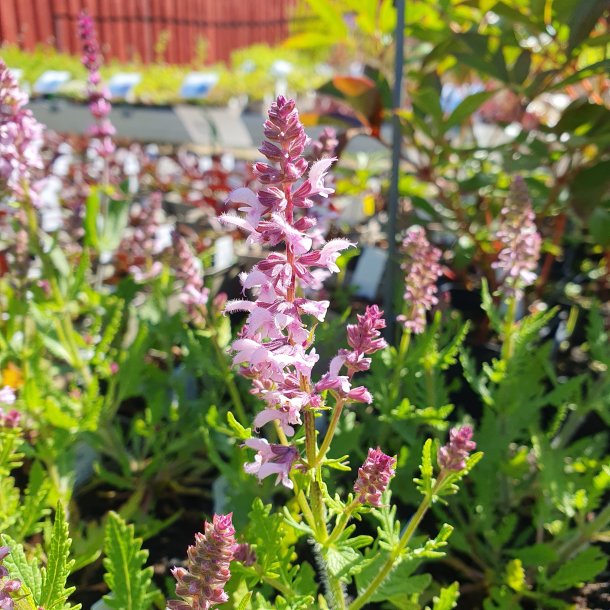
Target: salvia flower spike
{"x": 201, "y": 585}
{"x": 20, "y": 140}
{"x": 274, "y": 348}
{"x": 374, "y": 477}
{"x": 99, "y": 96}
{"x": 422, "y": 269}
{"x": 518, "y": 259}
{"x": 454, "y": 454}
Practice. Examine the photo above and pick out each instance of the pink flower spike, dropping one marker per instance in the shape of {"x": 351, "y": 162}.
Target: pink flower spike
{"x": 374, "y": 477}
{"x": 454, "y": 454}
{"x": 518, "y": 260}
{"x": 422, "y": 269}
{"x": 201, "y": 586}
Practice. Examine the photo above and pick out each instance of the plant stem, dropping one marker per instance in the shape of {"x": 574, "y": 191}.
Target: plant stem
{"x": 402, "y": 352}
{"x": 332, "y": 427}
{"x": 387, "y": 567}
{"x": 509, "y": 322}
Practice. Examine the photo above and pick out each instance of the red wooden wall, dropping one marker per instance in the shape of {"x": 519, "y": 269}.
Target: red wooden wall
{"x": 130, "y": 28}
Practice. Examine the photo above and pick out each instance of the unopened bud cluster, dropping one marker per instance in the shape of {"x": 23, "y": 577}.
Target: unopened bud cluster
{"x": 374, "y": 477}
{"x": 454, "y": 454}
{"x": 201, "y": 585}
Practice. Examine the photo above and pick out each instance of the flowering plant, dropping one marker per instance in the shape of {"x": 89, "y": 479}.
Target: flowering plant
{"x": 275, "y": 349}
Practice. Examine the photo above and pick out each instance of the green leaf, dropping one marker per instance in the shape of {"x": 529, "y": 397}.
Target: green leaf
{"x": 521, "y": 67}
{"x": 466, "y": 107}
{"x": 487, "y": 305}
{"x": 582, "y": 568}
{"x": 398, "y": 583}
{"x": 584, "y": 17}
{"x": 23, "y": 569}
{"x": 537, "y": 555}
{"x": 128, "y": 579}
{"x": 54, "y": 593}
{"x": 448, "y": 597}
{"x": 342, "y": 561}
{"x": 240, "y": 432}
{"x": 33, "y": 503}
{"x": 425, "y": 483}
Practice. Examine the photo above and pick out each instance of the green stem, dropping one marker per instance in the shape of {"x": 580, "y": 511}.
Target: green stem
{"x": 337, "y": 594}
{"x": 430, "y": 388}
{"x": 402, "y": 352}
{"x": 332, "y": 427}
{"x": 509, "y": 323}
{"x": 387, "y": 567}
{"x": 341, "y": 523}
{"x": 230, "y": 382}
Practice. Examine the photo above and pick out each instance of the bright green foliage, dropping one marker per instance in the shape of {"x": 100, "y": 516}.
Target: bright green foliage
{"x": 129, "y": 581}
{"x": 27, "y": 570}
{"x": 53, "y": 591}
{"x": 447, "y": 598}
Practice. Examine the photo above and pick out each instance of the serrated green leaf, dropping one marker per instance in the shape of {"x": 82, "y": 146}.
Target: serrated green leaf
{"x": 129, "y": 581}
{"x": 24, "y": 569}
{"x": 582, "y": 568}
{"x": 425, "y": 483}
{"x": 54, "y": 593}
{"x": 448, "y": 597}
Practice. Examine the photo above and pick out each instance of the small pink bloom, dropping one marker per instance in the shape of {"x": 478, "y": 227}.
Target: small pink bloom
{"x": 271, "y": 459}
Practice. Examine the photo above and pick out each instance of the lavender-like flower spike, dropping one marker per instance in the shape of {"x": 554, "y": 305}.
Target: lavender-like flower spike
{"x": 7, "y": 585}
{"x": 518, "y": 259}
{"x": 99, "y": 96}
{"x": 201, "y": 586}
{"x": 374, "y": 477}
{"x": 454, "y": 454}
{"x": 20, "y": 140}
{"x": 422, "y": 269}
{"x": 194, "y": 294}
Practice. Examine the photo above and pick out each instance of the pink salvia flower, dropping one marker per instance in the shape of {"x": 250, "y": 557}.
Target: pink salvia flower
{"x": 99, "y": 97}
{"x": 271, "y": 459}
{"x": 454, "y": 454}
{"x": 422, "y": 269}
{"x": 201, "y": 586}
{"x": 274, "y": 349}
{"x": 518, "y": 259}
{"x": 20, "y": 141}
{"x": 374, "y": 477}
{"x": 365, "y": 339}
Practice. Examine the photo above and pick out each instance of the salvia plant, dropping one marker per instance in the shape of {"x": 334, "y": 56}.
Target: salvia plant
{"x": 138, "y": 403}
{"x": 276, "y": 350}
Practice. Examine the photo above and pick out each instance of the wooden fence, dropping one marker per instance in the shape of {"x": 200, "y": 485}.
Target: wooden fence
{"x": 130, "y": 29}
